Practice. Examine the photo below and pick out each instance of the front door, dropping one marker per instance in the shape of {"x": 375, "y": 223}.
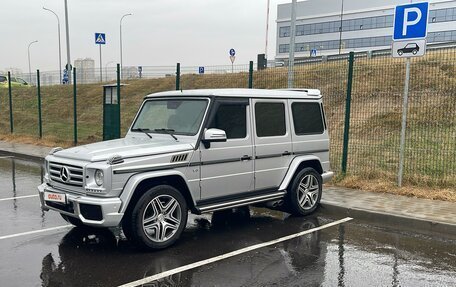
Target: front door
{"x": 227, "y": 167}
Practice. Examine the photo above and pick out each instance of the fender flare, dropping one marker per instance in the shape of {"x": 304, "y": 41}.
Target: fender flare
{"x": 294, "y": 166}
{"x": 136, "y": 179}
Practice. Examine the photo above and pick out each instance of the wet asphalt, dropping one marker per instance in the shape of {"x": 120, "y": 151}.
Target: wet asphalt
{"x": 356, "y": 253}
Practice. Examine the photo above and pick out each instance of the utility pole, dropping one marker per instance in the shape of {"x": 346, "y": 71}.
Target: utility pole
{"x": 68, "y": 43}
{"x": 292, "y": 45}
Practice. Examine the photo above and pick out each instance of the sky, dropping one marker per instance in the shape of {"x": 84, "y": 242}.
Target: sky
{"x": 159, "y": 33}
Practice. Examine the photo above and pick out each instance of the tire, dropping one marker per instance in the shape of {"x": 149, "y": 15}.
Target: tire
{"x": 75, "y": 221}
{"x": 400, "y": 53}
{"x": 414, "y": 52}
{"x": 165, "y": 210}
{"x": 304, "y": 195}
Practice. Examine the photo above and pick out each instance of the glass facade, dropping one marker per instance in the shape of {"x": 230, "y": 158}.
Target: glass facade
{"x": 433, "y": 37}
{"x": 435, "y": 16}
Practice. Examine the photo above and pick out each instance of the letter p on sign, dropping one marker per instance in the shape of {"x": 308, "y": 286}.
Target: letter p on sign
{"x": 410, "y": 21}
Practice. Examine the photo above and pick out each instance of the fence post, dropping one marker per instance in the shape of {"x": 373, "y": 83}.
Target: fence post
{"x": 251, "y": 75}
{"x": 10, "y": 103}
{"x": 178, "y": 76}
{"x": 75, "y": 111}
{"x": 351, "y": 59}
{"x": 118, "y": 100}
{"x": 40, "y": 125}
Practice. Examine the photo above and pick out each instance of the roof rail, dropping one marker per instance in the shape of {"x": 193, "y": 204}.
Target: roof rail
{"x": 310, "y": 92}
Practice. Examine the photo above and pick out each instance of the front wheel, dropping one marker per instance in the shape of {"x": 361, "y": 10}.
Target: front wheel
{"x": 305, "y": 193}
{"x": 158, "y": 218}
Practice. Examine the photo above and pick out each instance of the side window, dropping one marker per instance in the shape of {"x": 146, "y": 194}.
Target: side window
{"x": 270, "y": 119}
{"x": 2, "y": 79}
{"x": 232, "y": 118}
{"x": 307, "y": 118}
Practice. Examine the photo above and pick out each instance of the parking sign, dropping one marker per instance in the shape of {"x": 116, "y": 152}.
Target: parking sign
{"x": 410, "y": 21}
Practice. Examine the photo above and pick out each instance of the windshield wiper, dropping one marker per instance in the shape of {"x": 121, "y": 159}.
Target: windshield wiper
{"x": 167, "y": 131}
{"x": 143, "y": 131}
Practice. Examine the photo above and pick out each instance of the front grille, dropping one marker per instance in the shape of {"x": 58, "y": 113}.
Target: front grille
{"x": 75, "y": 175}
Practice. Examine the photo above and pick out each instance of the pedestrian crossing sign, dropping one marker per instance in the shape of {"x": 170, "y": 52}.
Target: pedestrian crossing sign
{"x": 100, "y": 38}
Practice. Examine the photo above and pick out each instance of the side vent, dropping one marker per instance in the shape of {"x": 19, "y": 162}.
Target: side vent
{"x": 179, "y": 157}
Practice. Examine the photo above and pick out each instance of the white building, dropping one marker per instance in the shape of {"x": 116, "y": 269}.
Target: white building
{"x": 85, "y": 70}
{"x": 366, "y": 25}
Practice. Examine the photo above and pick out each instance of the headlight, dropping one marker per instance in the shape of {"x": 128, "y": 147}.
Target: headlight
{"x": 99, "y": 176}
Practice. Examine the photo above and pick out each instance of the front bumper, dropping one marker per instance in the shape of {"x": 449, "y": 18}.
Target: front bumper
{"x": 104, "y": 211}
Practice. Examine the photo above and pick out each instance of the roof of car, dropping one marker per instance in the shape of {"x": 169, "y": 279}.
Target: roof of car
{"x": 248, "y": 93}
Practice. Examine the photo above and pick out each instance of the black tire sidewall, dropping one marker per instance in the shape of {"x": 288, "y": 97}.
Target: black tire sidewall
{"x": 137, "y": 232}
{"x": 293, "y": 203}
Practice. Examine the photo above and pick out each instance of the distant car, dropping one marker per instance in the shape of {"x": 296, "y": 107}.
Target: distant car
{"x": 15, "y": 82}
{"x": 409, "y": 48}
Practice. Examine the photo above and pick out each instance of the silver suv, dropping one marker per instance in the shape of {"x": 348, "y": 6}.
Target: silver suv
{"x": 198, "y": 151}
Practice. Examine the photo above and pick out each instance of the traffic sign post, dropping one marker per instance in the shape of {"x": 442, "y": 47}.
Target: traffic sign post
{"x": 409, "y": 40}
{"x": 232, "y": 58}
{"x": 100, "y": 39}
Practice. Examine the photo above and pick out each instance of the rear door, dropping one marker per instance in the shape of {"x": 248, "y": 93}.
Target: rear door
{"x": 273, "y": 149}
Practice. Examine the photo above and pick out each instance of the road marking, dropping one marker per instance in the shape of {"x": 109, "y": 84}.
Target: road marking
{"x": 9, "y": 156}
{"x": 34, "y": 232}
{"x": 230, "y": 254}
{"x": 18, "y": 197}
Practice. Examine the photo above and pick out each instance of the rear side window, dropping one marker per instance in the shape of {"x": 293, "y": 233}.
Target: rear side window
{"x": 232, "y": 118}
{"x": 307, "y": 118}
{"x": 270, "y": 119}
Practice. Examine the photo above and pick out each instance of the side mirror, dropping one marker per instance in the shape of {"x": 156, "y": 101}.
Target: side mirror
{"x": 213, "y": 135}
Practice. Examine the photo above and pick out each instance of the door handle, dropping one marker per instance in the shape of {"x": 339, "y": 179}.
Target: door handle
{"x": 246, "y": 157}
{"x": 285, "y": 153}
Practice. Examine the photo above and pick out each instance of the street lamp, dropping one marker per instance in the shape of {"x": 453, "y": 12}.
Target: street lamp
{"x": 60, "y": 50}
{"x": 129, "y": 14}
{"x": 67, "y": 28}
{"x": 30, "y": 67}
{"x": 106, "y": 69}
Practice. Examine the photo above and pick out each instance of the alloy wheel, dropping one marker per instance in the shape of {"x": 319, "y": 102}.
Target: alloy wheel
{"x": 308, "y": 190}
{"x": 162, "y": 218}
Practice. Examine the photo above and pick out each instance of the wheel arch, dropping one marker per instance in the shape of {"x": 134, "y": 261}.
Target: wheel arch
{"x": 138, "y": 184}
{"x": 297, "y": 165}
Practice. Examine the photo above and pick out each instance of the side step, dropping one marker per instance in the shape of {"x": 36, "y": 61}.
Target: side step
{"x": 240, "y": 202}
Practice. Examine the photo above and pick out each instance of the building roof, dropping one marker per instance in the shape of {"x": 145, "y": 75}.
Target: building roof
{"x": 248, "y": 93}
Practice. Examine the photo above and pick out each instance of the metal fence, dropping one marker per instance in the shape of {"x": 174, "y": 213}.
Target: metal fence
{"x": 375, "y": 114}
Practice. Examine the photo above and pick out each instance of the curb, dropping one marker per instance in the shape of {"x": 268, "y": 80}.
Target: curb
{"x": 21, "y": 155}
{"x": 392, "y": 220}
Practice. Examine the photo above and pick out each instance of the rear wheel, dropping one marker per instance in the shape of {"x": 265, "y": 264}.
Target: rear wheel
{"x": 414, "y": 52}
{"x": 305, "y": 192}
{"x": 400, "y": 53}
{"x": 158, "y": 218}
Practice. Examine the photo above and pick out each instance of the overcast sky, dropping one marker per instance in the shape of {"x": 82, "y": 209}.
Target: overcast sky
{"x": 160, "y": 32}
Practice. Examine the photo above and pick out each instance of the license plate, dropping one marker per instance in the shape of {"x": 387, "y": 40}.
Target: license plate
{"x": 55, "y": 197}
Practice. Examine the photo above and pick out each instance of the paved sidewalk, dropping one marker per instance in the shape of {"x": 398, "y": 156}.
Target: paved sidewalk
{"x": 416, "y": 213}
{"x": 23, "y": 150}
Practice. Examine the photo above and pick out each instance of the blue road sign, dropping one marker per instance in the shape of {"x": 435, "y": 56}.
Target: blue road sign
{"x": 410, "y": 21}
{"x": 232, "y": 52}
{"x": 313, "y": 52}
{"x": 100, "y": 38}
{"x": 201, "y": 70}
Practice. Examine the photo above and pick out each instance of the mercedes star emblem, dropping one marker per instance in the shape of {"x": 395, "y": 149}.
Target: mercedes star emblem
{"x": 64, "y": 174}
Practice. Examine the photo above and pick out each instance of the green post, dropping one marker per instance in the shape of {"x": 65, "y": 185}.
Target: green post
{"x": 178, "y": 76}
{"x": 75, "y": 110}
{"x": 10, "y": 102}
{"x": 351, "y": 60}
{"x": 118, "y": 99}
{"x": 40, "y": 125}
{"x": 251, "y": 75}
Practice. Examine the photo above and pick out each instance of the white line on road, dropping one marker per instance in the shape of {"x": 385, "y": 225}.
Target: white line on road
{"x": 18, "y": 197}
{"x": 230, "y": 254}
{"x": 35, "y": 231}
{"x": 9, "y": 156}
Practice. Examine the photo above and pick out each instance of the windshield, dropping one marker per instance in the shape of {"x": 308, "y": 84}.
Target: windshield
{"x": 182, "y": 117}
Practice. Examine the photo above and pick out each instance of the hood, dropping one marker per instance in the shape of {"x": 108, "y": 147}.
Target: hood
{"x": 126, "y": 147}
